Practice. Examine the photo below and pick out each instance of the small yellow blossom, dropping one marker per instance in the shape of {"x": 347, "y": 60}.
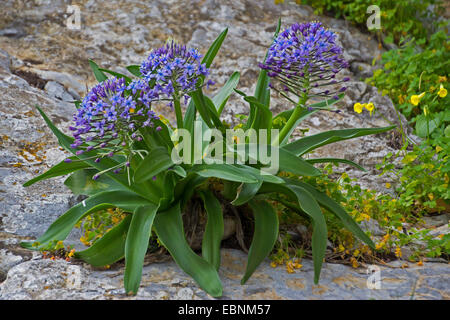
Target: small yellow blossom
{"x": 370, "y": 107}
{"x": 432, "y": 88}
{"x": 442, "y": 79}
{"x": 358, "y": 107}
{"x": 273, "y": 264}
{"x": 398, "y": 252}
{"x": 388, "y": 185}
{"x": 420, "y": 263}
{"x": 439, "y": 149}
{"x": 355, "y": 263}
{"x": 379, "y": 245}
{"x": 415, "y": 99}
{"x": 356, "y": 252}
{"x": 71, "y": 253}
{"x": 401, "y": 99}
{"x": 431, "y": 196}
{"x": 442, "y": 91}
{"x": 131, "y": 110}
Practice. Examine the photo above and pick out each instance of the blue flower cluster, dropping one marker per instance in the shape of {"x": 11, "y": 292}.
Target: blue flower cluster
{"x": 109, "y": 116}
{"x": 305, "y": 56}
{"x": 173, "y": 70}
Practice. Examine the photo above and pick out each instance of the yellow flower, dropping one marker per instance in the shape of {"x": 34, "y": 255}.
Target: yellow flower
{"x": 388, "y": 185}
{"x": 442, "y": 91}
{"x": 273, "y": 264}
{"x": 401, "y": 99}
{"x": 398, "y": 252}
{"x": 439, "y": 149}
{"x": 355, "y": 263}
{"x": 442, "y": 79}
{"x": 415, "y": 99}
{"x": 370, "y": 107}
{"x": 420, "y": 263}
{"x": 358, "y": 107}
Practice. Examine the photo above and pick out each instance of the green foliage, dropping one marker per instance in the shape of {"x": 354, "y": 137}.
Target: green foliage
{"x": 398, "y": 18}
{"x": 154, "y": 189}
{"x": 410, "y": 71}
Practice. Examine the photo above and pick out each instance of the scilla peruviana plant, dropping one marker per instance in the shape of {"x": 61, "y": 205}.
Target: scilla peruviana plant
{"x": 122, "y": 155}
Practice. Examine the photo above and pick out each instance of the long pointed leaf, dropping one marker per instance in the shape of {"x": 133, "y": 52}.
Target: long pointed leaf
{"x": 336, "y": 160}
{"x": 62, "y": 226}
{"x": 81, "y": 182}
{"x": 221, "y": 98}
{"x": 312, "y": 142}
{"x": 99, "y": 75}
{"x": 320, "y": 234}
{"x": 60, "y": 169}
{"x": 169, "y": 228}
{"x": 336, "y": 209}
{"x": 155, "y": 162}
{"x": 224, "y": 171}
{"x": 108, "y": 249}
{"x": 264, "y": 237}
{"x": 212, "y": 237}
{"x": 136, "y": 246}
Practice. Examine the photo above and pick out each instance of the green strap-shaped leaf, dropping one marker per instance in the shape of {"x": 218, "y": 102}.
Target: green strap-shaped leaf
{"x": 285, "y": 161}
{"x": 81, "y": 182}
{"x": 62, "y": 226}
{"x": 308, "y": 205}
{"x": 169, "y": 228}
{"x": 60, "y": 169}
{"x": 212, "y": 237}
{"x": 224, "y": 171}
{"x": 108, "y": 249}
{"x": 320, "y": 234}
{"x": 189, "y": 116}
{"x": 263, "y": 120}
{"x": 289, "y": 162}
{"x": 246, "y": 192}
{"x": 99, "y": 75}
{"x": 136, "y": 246}
{"x": 264, "y": 237}
{"x": 262, "y": 93}
{"x": 312, "y": 142}
{"x": 313, "y": 108}
{"x": 116, "y": 74}
{"x": 135, "y": 70}
{"x": 336, "y": 209}
{"x": 214, "y": 48}
{"x": 336, "y": 160}
{"x": 155, "y": 162}
{"x": 221, "y": 98}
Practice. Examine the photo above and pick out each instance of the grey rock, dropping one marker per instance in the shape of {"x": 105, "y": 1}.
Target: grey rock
{"x": 5, "y": 60}
{"x": 56, "y": 90}
{"x": 45, "y": 279}
{"x": 436, "y": 220}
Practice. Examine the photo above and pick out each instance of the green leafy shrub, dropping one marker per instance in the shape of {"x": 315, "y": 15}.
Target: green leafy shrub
{"x": 417, "y": 81}
{"x": 125, "y": 156}
{"x": 398, "y": 18}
